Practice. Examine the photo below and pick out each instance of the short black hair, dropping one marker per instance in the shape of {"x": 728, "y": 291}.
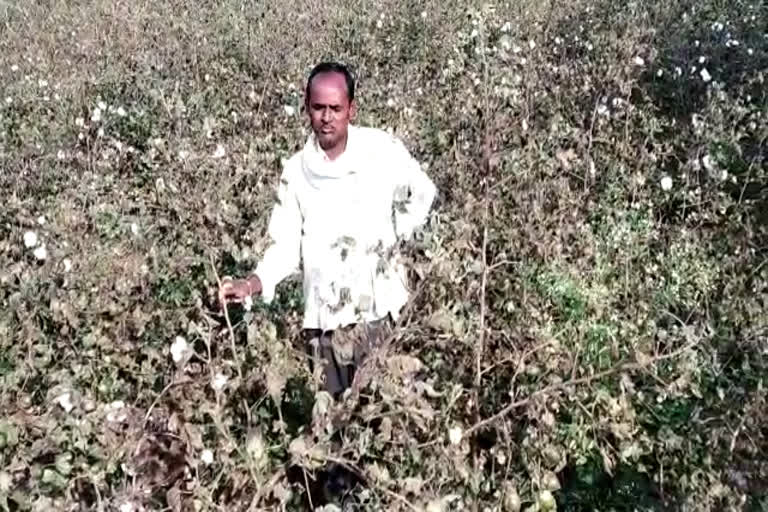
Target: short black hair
{"x": 333, "y": 67}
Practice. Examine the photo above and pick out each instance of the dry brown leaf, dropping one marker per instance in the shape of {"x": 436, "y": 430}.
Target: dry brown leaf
{"x": 404, "y": 365}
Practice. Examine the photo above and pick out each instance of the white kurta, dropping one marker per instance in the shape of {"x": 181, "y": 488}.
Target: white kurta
{"x": 341, "y": 219}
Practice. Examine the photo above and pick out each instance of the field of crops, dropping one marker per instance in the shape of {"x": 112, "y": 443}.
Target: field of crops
{"x": 589, "y": 319}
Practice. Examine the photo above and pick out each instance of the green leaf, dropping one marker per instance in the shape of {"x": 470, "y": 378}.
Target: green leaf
{"x": 64, "y": 463}
{"x": 54, "y": 479}
{"x": 9, "y": 434}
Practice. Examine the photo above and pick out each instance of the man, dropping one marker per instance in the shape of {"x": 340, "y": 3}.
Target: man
{"x": 344, "y": 201}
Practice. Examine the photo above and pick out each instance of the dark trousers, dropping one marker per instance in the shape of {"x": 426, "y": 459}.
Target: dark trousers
{"x": 343, "y": 351}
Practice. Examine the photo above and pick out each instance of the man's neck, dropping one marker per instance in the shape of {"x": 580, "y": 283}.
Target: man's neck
{"x": 336, "y": 151}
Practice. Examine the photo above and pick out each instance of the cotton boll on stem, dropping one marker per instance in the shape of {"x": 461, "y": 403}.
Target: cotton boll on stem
{"x": 179, "y": 349}
{"x": 41, "y": 253}
{"x": 455, "y": 435}
{"x": 30, "y": 239}
{"x": 65, "y": 401}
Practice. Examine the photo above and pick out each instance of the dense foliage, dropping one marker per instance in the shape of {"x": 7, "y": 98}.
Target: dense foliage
{"x": 589, "y": 324}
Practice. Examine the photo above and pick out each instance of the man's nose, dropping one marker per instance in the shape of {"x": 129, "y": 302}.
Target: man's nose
{"x": 327, "y": 115}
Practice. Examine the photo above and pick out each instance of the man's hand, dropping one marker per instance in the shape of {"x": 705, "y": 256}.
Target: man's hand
{"x": 236, "y": 290}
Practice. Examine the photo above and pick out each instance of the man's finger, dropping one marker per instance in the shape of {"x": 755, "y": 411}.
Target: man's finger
{"x": 229, "y": 293}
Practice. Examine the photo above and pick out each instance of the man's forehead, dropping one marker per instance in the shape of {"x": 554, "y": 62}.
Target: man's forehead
{"x": 328, "y": 82}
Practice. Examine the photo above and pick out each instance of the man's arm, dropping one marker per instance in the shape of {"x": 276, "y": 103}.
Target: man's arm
{"x": 283, "y": 253}
{"x": 282, "y": 256}
{"x": 414, "y": 192}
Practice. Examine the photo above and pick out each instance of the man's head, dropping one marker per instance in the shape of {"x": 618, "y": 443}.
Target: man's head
{"x": 330, "y": 103}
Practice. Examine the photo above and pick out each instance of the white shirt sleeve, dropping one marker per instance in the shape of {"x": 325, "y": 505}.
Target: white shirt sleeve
{"x": 283, "y": 254}
{"x": 414, "y": 192}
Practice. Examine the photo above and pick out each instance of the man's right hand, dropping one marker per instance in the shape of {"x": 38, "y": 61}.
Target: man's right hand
{"x": 236, "y": 290}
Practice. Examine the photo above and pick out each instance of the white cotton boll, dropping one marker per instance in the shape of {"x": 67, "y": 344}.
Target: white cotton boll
{"x": 102, "y": 106}
{"x": 67, "y": 263}
{"x": 666, "y": 183}
{"x": 179, "y": 349}
{"x": 289, "y": 110}
{"x": 115, "y": 411}
{"x": 423, "y": 15}
{"x": 41, "y": 220}
{"x": 390, "y": 103}
{"x": 435, "y": 506}
{"x": 660, "y": 73}
{"x": 14, "y": 68}
{"x": 532, "y": 44}
{"x": 220, "y": 151}
{"x": 639, "y": 61}
{"x": 65, "y": 401}
{"x": 121, "y": 112}
{"x": 9, "y": 100}
{"x": 708, "y": 162}
{"x": 379, "y": 24}
{"x": 127, "y": 507}
{"x": 219, "y": 381}
{"x": 80, "y": 122}
{"x": 207, "y": 457}
{"x": 248, "y": 303}
{"x": 455, "y": 435}
{"x": 41, "y": 253}
{"x": 30, "y": 239}
{"x": 96, "y": 115}
{"x": 705, "y": 76}
{"x": 602, "y": 110}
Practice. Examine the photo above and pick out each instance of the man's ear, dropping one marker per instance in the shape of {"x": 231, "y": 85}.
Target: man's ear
{"x": 353, "y": 110}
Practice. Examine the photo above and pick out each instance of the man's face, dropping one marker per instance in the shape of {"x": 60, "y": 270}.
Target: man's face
{"x": 329, "y": 109}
